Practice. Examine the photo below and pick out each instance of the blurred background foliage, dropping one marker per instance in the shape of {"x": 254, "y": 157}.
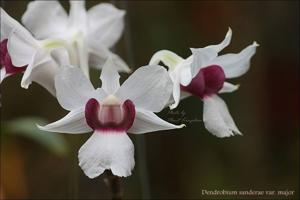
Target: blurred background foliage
{"x": 180, "y": 163}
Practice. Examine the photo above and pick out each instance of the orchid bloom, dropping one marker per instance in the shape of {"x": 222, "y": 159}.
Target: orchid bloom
{"x": 203, "y": 75}
{"x": 39, "y": 62}
{"x": 110, "y": 112}
{"x": 87, "y": 35}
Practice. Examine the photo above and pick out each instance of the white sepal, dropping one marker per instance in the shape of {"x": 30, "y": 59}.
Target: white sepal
{"x": 226, "y": 41}
{"x": 3, "y": 74}
{"x": 78, "y": 15}
{"x": 175, "y": 89}
{"x": 149, "y": 88}
{"x": 45, "y": 19}
{"x": 74, "y": 122}
{"x": 146, "y": 121}
{"x": 73, "y": 88}
{"x": 105, "y": 24}
{"x": 228, "y": 87}
{"x": 235, "y": 65}
{"x": 110, "y": 77}
{"x": 21, "y": 47}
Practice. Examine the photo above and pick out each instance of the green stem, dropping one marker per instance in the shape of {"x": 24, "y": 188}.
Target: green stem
{"x": 114, "y": 183}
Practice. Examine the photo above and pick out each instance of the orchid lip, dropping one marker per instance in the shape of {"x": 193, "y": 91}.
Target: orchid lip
{"x": 110, "y": 116}
{"x": 6, "y": 62}
{"x": 207, "y": 82}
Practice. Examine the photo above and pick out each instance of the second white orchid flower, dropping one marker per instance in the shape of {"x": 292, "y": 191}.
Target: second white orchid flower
{"x": 39, "y": 64}
{"x": 203, "y": 74}
{"x": 110, "y": 112}
{"x": 88, "y": 35}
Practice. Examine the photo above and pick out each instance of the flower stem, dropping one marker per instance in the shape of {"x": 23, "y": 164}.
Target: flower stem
{"x": 114, "y": 183}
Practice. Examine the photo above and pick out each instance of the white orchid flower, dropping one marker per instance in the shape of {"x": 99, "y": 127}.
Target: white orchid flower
{"x": 88, "y": 35}
{"x": 110, "y": 112}
{"x": 203, "y": 74}
{"x": 21, "y": 52}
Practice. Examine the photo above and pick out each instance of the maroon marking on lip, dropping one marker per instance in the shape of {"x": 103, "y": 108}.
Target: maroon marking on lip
{"x": 208, "y": 81}
{"x": 115, "y": 118}
{"x": 5, "y": 60}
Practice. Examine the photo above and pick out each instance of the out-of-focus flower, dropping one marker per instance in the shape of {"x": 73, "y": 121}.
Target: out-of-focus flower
{"x": 203, "y": 74}
{"x": 21, "y": 52}
{"x": 87, "y": 35}
{"x": 110, "y": 112}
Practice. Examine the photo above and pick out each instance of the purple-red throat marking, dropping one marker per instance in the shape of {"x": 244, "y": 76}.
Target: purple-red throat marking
{"x": 109, "y": 118}
{"x": 207, "y": 82}
{"x": 5, "y": 60}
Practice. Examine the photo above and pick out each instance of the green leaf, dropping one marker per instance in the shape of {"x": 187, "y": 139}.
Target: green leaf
{"x": 26, "y": 127}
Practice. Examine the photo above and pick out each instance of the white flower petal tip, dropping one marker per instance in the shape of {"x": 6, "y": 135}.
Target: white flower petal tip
{"x": 146, "y": 121}
{"x": 24, "y": 85}
{"x": 228, "y": 87}
{"x": 255, "y": 44}
{"x": 111, "y": 151}
{"x": 181, "y": 126}
{"x": 217, "y": 119}
{"x": 229, "y": 30}
{"x": 74, "y": 123}
{"x": 173, "y": 106}
{"x": 128, "y": 70}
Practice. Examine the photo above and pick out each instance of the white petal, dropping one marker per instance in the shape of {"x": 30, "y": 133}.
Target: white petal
{"x": 175, "y": 89}
{"x": 185, "y": 71}
{"x": 201, "y": 58}
{"x": 110, "y": 77}
{"x": 219, "y": 47}
{"x": 98, "y": 55}
{"x": 113, "y": 151}
{"x": 170, "y": 59}
{"x": 217, "y": 118}
{"x": 106, "y": 24}
{"x": 8, "y": 24}
{"x": 228, "y": 87}
{"x": 21, "y": 47}
{"x": 38, "y": 58}
{"x": 73, "y": 88}
{"x": 3, "y": 74}
{"x": 73, "y": 122}
{"x": 78, "y": 15}
{"x": 146, "y": 121}
{"x": 235, "y": 65}
{"x": 45, "y": 19}
{"x": 149, "y": 88}
{"x": 42, "y": 69}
